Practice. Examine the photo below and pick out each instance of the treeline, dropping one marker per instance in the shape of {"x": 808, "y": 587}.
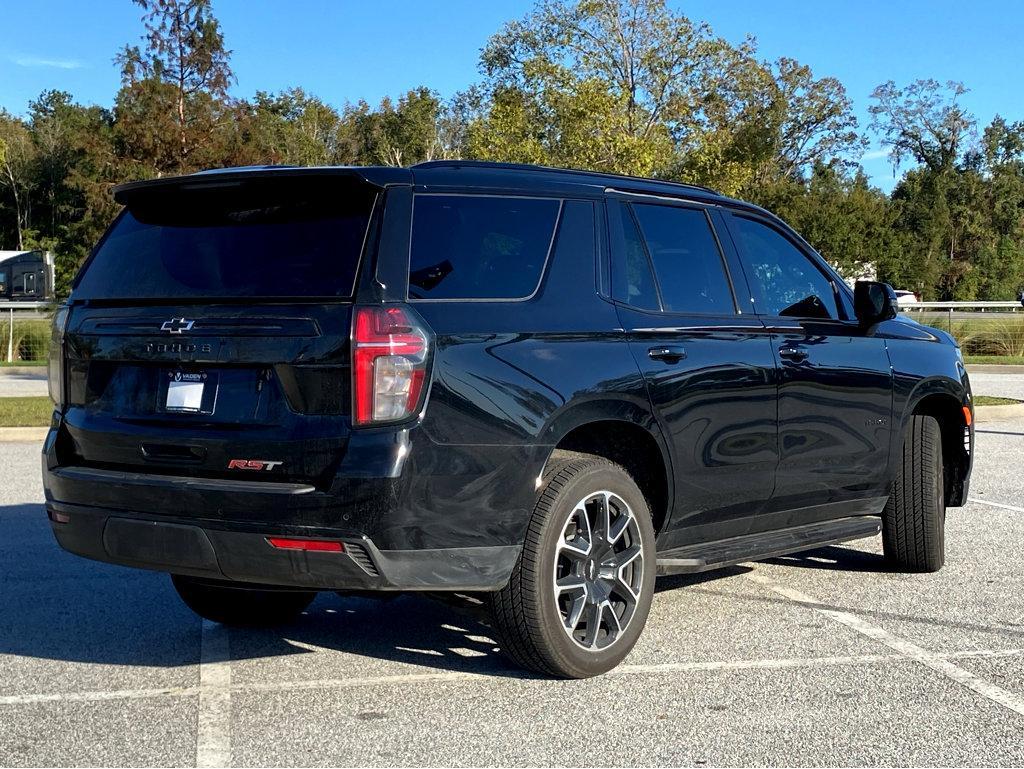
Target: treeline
{"x": 615, "y": 85}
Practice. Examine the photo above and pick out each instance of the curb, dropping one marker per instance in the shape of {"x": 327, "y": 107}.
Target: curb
{"x": 997, "y": 413}
{"x": 22, "y": 370}
{"x": 25, "y": 434}
{"x": 995, "y": 368}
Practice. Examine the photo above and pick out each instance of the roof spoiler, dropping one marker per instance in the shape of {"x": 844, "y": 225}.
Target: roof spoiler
{"x": 378, "y": 176}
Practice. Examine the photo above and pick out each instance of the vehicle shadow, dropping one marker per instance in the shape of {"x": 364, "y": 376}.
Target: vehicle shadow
{"x": 834, "y": 558}
{"x": 441, "y": 633}
{"x": 57, "y": 606}
{"x": 677, "y": 581}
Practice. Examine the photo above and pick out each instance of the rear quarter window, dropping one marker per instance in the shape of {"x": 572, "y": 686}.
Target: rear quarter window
{"x": 479, "y": 247}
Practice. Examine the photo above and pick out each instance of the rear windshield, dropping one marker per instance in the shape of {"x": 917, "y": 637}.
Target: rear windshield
{"x": 255, "y": 239}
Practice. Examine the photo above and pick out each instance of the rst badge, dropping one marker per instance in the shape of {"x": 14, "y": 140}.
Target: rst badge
{"x": 253, "y": 464}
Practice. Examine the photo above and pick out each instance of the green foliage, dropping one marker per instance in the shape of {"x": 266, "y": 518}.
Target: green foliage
{"x": 290, "y": 128}
{"x": 410, "y": 131}
{"x": 31, "y": 339}
{"x": 848, "y": 222}
{"x": 1002, "y": 337}
{"x": 989, "y": 334}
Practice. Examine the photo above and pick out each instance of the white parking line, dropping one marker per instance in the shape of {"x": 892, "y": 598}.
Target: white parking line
{"x": 213, "y": 732}
{"x": 120, "y": 694}
{"x": 907, "y": 649}
{"x": 441, "y": 676}
{"x": 995, "y": 504}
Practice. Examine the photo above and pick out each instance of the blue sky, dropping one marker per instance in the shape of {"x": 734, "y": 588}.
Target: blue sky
{"x": 346, "y": 50}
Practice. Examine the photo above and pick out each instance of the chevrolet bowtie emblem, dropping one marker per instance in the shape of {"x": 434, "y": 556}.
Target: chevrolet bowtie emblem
{"x": 177, "y": 325}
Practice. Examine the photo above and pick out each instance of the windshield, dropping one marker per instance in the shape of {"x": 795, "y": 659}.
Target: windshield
{"x": 254, "y": 239}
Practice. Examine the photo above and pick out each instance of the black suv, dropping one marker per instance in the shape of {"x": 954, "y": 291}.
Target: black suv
{"x": 541, "y": 385}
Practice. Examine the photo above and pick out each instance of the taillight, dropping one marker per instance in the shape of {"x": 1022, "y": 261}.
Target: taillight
{"x": 390, "y": 348}
{"x": 55, "y": 360}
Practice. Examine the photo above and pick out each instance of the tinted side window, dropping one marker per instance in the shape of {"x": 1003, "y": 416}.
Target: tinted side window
{"x": 788, "y": 282}
{"x": 686, "y": 259}
{"x": 479, "y": 247}
{"x": 632, "y": 277}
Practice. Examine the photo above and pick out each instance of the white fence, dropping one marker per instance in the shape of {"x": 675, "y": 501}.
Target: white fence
{"x": 982, "y": 328}
{"x": 24, "y": 332}
{"x": 978, "y": 306}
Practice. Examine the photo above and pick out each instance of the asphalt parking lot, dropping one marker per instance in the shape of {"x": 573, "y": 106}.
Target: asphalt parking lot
{"x": 819, "y": 659}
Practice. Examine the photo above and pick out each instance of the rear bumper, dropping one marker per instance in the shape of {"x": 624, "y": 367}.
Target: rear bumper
{"x": 241, "y": 553}
{"x": 399, "y": 488}
{"x": 414, "y": 515}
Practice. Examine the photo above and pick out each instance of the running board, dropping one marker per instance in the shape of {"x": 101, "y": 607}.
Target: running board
{"x": 757, "y": 547}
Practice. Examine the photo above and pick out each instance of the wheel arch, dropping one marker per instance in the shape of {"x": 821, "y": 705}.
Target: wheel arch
{"x": 623, "y": 432}
{"x": 945, "y": 400}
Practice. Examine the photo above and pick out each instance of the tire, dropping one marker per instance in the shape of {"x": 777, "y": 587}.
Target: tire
{"x": 240, "y": 604}
{"x": 914, "y": 519}
{"x": 566, "y": 540}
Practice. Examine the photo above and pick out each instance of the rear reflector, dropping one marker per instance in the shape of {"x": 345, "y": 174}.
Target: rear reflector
{"x": 967, "y": 415}
{"x": 306, "y": 544}
{"x": 58, "y": 517}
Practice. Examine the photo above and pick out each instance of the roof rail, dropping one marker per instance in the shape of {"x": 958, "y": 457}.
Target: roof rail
{"x": 554, "y": 169}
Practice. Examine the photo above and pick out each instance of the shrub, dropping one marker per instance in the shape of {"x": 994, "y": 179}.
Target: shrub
{"x": 31, "y": 339}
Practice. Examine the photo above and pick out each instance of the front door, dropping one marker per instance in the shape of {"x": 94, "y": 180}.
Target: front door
{"x": 709, "y": 369}
{"x": 835, "y": 381}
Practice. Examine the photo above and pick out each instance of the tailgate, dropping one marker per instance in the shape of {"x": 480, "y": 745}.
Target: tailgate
{"x": 254, "y": 392}
{"x": 209, "y": 331}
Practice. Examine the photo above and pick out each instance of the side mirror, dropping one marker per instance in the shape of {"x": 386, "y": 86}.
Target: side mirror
{"x": 874, "y": 302}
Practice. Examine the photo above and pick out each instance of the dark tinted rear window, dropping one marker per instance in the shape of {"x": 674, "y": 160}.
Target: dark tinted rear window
{"x": 257, "y": 239}
{"x": 478, "y": 247}
{"x": 631, "y": 275}
{"x": 686, "y": 259}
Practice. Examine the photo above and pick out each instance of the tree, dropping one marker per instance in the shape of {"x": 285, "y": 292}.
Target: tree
{"x": 848, "y": 221}
{"x": 923, "y": 122}
{"x": 624, "y": 73}
{"x": 579, "y": 124}
{"x": 75, "y": 166}
{"x": 940, "y": 202}
{"x": 815, "y": 124}
{"x": 180, "y": 79}
{"x": 416, "y": 128}
{"x": 631, "y": 86}
{"x": 290, "y": 128}
{"x": 17, "y": 155}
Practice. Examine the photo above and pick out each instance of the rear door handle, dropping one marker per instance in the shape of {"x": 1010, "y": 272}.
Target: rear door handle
{"x": 667, "y": 354}
{"x": 793, "y": 354}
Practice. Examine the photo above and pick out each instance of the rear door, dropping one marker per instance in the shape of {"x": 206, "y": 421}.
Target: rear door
{"x": 209, "y": 331}
{"x": 835, "y": 381}
{"x": 709, "y": 368}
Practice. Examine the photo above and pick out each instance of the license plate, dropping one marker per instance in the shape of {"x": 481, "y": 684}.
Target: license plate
{"x": 189, "y": 392}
